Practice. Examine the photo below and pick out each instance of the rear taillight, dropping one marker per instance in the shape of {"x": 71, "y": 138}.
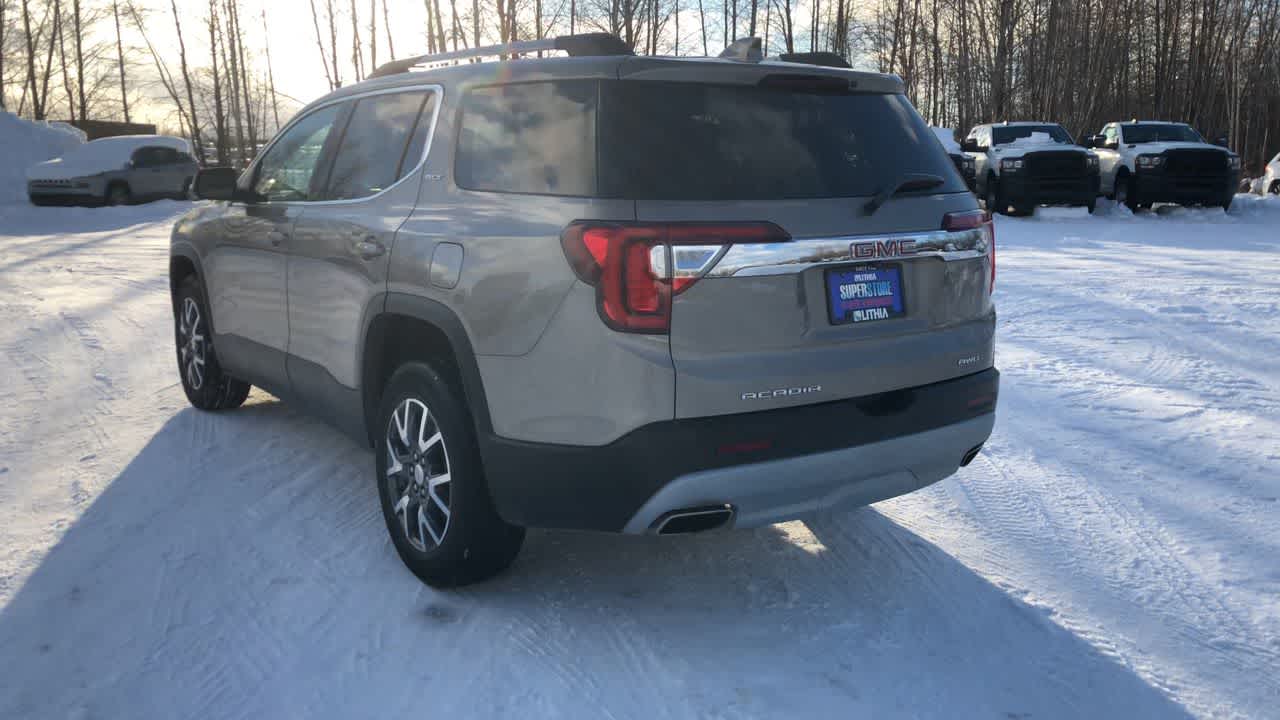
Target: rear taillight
{"x": 637, "y": 268}
{"x": 980, "y": 220}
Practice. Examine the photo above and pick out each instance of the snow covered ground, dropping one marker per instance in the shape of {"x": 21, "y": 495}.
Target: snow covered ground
{"x": 1115, "y": 552}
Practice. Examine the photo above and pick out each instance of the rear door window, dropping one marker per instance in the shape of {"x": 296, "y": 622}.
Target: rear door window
{"x": 690, "y": 141}
{"x": 537, "y": 137}
{"x": 382, "y": 143}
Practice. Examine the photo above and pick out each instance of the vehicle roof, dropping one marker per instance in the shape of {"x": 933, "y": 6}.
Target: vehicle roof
{"x": 1148, "y": 122}
{"x": 602, "y": 66}
{"x": 132, "y": 142}
{"x": 1017, "y": 123}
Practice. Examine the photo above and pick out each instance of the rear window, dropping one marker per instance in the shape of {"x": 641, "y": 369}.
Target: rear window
{"x": 381, "y": 144}
{"x": 535, "y": 137}
{"x": 685, "y": 141}
{"x": 1160, "y": 132}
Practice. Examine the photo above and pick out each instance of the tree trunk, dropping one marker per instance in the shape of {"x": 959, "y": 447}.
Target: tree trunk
{"x": 386, "y": 24}
{"x": 219, "y": 111}
{"x": 357, "y": 53}
{"x": 186, "y": 79}
{"x": 271, "y": 75}
{"x": 324, "y": 58}
{"x": 124, "y": 85}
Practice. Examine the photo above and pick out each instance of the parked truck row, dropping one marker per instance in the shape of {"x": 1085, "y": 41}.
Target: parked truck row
{"x": 1015, "y": 166}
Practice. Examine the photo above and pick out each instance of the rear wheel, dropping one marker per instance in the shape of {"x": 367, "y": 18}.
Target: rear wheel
{"x": 431, "y": 484}
{"x": 118, "y": 194}
{"x": 206, "y": 386}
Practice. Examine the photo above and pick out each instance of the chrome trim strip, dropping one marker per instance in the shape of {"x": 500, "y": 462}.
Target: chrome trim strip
{"x": 800, "y": 255}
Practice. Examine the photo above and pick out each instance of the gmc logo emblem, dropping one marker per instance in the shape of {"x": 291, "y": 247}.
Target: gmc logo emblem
{"x": 883, "y": 249}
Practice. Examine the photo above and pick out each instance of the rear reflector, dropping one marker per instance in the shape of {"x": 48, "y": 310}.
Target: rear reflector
{"x": 975, "y": 219}
{"x": 637, "y": 268}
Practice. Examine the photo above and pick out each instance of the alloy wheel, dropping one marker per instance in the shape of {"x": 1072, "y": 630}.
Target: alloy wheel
{"x": 417, "y": 476}
{"x": 191, "y": 344}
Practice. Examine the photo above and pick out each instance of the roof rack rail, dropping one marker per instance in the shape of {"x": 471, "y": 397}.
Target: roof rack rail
{"x": 584, "y": 44}
{"x": 824, "y": 59}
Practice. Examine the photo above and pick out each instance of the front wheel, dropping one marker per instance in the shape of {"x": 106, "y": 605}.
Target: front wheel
{"x": 206, "y": 386}
{"x": 1125, "y": 194}
{"x": 1092, "y": 204}
{"x": 118, "y": 194}
{"x": 431, "y": 484}
{"x": 994, "y": 199}
{"x": 1275, "y": 188}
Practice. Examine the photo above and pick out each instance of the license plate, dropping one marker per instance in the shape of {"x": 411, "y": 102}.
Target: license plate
{"x": 865, "y": 293}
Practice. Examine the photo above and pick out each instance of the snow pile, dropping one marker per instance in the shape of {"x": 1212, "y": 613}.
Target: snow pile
{"x": 1035, "y": 138}
{"x": 947, "y": 137}
{"x": 24, "y": 143}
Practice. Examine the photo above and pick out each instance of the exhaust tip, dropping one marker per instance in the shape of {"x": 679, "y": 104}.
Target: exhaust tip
{"x": 694, "y": 520}
{"x": 969, "y": 456}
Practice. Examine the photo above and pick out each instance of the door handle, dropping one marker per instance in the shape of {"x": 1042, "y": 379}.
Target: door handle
{"x": 276, "y": 237}
{"x": 369, "y": 249}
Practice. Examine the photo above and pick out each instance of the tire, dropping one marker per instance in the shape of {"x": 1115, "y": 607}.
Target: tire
{"x": 1275, "y": 188}
{"x": 1092, "y": 204}
{"x": 446, "y": 532}
{"x": 1225, "y": 204}
{"x": 206, "y": 386}
{"x": 185, "y": 194}
{"x": 994, "y": 199}
{"x": 1124, "y": 193}
{"x": 118, "y": 194}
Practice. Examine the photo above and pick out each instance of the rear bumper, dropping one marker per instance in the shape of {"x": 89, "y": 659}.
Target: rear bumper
{"x": 770, "y": 466}
{"x": 1030, "y": 190}
{"x": 1184, "y": 188}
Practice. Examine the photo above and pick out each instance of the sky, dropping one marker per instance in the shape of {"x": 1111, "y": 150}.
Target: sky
{"x": 295, "y": 58}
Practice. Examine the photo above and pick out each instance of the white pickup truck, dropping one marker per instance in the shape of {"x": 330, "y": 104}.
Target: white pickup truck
{"x": 1020, "y": 165}
{"x": 1271, "y": 179}
{"x": 1146, "y": 162}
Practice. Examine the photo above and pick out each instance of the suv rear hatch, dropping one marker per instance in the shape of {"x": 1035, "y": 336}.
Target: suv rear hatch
{"x": 788, "y": 289}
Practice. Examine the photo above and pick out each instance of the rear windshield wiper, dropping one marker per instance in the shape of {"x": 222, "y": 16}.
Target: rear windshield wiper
{"x": 910, "y": 181}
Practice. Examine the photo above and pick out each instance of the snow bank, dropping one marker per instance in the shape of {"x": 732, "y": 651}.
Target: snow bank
{"x": 1035, "y": 138}
{"x": 24, "y": 143}
{"x": 947, "y": 137}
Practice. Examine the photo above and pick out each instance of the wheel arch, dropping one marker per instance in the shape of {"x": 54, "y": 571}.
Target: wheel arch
{"x": 411, "y": 328}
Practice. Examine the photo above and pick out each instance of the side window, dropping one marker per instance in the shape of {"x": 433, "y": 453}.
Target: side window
{"x": 382, "y": 143}
{"x": 149, "y": 157}
{"x": 535, "y": 137}
{"x": 286, "y": 171}
{"x": 1111, "y": 133}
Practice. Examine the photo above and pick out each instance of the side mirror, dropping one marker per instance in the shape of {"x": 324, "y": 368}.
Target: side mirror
{"x": 1221, "y": 141}
{"x": 970, "y": 145}
{"x": 216, "y": 183}
{"x": 1111, "y": 144}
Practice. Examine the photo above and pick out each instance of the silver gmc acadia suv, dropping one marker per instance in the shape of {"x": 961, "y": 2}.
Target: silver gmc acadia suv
{"x": 602, "y": 292}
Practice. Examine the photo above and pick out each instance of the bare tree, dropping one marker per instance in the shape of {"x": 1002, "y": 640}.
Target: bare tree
{"x": 186, "y": 80}
{"x": 324, "y": 58}
{"x": 271, "y": 75}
